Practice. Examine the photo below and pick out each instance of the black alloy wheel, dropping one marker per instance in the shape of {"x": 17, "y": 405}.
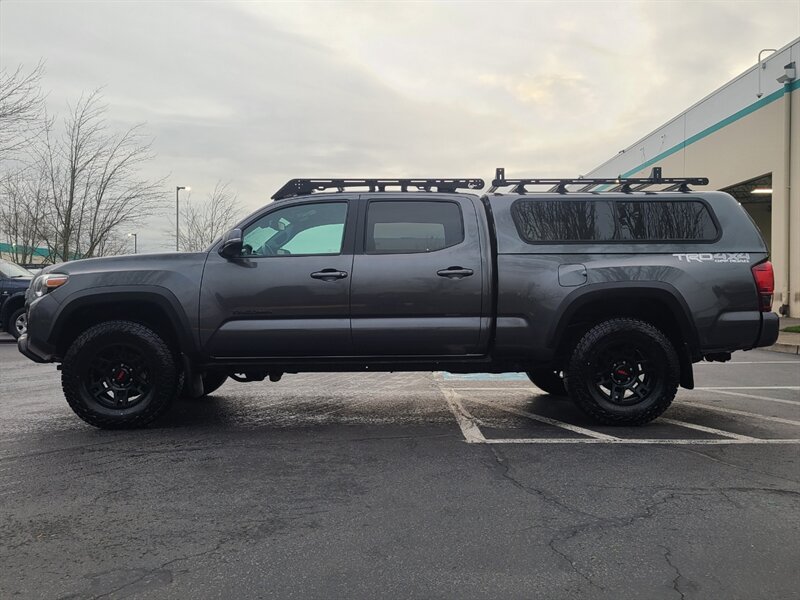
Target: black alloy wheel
{"x": 623, "y": 371}
{"x": 118, "y": 376}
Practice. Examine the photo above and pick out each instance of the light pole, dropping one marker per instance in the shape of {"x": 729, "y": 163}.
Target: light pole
{"x": 178, "y": 214}
{"x": 135, "y": 237}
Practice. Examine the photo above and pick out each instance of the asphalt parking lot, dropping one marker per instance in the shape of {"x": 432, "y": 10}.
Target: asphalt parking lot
{"x": 404, "y": 485}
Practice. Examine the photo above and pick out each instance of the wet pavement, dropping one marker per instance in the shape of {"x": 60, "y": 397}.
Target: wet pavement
{"x": 404, "y": 485}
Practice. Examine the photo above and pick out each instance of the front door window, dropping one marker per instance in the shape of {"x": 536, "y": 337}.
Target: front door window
{"x": 303, "y": 229}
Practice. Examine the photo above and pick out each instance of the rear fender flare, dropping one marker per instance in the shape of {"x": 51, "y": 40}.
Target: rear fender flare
{"x": 609, "y": 293}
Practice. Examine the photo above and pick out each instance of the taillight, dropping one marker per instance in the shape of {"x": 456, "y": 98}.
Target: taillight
{"x": 765, "y": 284}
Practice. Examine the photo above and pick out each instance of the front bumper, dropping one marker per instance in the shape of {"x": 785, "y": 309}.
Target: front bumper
{"x": 35, "y": 343}
{"x": 24, "y": 346}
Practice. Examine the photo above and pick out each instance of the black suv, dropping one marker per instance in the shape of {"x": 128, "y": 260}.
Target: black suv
{"x": 601, "y": 289}
{"x": 14, "y": 280}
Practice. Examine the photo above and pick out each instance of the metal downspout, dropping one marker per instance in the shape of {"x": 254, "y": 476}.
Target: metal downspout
{"x": 787, "y": 169}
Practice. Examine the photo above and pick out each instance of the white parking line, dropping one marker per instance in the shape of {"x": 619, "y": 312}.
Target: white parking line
{"x": 647, "y": 442}
{"x": 751, "y": 387}
{"x": 747, "y": 362}
{"x": 547, "y": 420}
{"x": 688, "y": 425}
{"x": 470, "y": 430}
{"x": 530, "y": 388}
{"x": 779, "y": 400}
{"x": 739, "y": 412}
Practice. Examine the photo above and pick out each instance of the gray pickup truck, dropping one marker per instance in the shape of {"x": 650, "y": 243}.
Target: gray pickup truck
{"x": 599, "y": 289}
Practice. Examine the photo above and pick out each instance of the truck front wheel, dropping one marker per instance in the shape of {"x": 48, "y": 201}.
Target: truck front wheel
{"x": 623, "y": 372}
{"x": 119, "y": 375}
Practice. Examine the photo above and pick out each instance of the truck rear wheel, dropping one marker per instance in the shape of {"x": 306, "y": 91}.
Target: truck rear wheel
{"x": 119, "y": 375}
{"x": 548, "y": 380}
{"x": 623, "y": 372}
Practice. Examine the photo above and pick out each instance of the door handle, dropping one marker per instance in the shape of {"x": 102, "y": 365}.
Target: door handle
{"x": 454, "y": 272}
{"x": 329, "y": 274}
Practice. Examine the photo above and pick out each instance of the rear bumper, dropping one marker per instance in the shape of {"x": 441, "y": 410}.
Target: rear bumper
{"x": 770, "y": 325}
{"x": 741, "y": 330}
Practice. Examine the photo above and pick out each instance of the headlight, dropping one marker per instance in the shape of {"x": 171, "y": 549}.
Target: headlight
{"x": 47, "y": 283}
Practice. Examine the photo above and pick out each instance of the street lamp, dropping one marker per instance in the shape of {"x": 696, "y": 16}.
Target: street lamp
{"x": 178, "y": 213}
{"x": 135, "y": 240}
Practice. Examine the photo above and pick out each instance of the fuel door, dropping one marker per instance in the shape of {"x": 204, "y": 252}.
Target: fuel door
{"x": 571, "y": 275}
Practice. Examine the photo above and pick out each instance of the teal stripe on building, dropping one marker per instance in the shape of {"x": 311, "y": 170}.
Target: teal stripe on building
{"x": 716, "y": 127}
{"x": 10, "y": 249}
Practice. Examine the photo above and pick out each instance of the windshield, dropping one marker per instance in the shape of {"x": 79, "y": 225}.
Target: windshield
{"x": 9, "y": 269}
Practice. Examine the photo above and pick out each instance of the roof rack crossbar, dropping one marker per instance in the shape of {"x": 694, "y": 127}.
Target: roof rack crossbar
{"x": 303, "y": 187}
{"x": 619, "y": 184}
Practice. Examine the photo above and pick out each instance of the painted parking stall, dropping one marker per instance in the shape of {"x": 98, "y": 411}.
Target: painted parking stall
{"x": 507, "y": 409}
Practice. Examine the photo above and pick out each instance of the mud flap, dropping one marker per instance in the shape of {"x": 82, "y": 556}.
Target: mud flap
{"x": 687, "y": 368}
{"x": 192, "y": 380}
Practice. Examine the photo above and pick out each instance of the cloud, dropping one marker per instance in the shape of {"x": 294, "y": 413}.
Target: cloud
{"x": 257, "y": 93}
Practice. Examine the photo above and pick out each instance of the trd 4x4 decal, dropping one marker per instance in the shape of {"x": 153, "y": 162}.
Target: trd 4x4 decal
{"x": 717, "y": 257}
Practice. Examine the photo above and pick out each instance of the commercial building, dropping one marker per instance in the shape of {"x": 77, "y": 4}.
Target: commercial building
{"x": 745, "y": 137}
{"x": 32, "y": 256}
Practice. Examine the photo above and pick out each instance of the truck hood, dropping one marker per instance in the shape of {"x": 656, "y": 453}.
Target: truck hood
{"x": 178, "y": 272}
{"x": 169, "y": 261}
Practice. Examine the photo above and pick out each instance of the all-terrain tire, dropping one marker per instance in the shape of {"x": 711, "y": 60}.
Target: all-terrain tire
{"x": 13, "y": 325}
{"x": 91, "y": 374}
{"x": 626, "y": 355}
{"x": 548, "y": 380}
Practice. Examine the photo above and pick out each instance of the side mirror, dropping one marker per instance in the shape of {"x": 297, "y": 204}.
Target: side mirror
{"x": 231, "y": 246}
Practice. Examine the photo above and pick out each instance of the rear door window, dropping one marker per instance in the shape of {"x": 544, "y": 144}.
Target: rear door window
{"x": 412, "y": 227}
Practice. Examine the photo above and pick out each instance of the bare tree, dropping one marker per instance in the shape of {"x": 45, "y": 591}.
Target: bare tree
{"x": 93, "y": 181}
{"x": 23, "y": 202}
{"x": 21, "y": 106}
{"x": 203, "y": 222}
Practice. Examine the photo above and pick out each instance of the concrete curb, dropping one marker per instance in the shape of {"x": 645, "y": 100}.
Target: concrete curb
{"x": 784, "y": 348}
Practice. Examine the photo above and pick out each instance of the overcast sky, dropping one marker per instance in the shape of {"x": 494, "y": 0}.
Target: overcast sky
{"x": 258, "y": 93}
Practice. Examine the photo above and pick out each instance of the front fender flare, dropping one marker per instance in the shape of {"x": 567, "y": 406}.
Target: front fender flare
{"x": 162, "y": 297}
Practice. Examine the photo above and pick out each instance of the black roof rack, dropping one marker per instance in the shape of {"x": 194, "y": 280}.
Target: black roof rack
{"x": 303, "y": 187}
{"x": 620, "y": 184}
